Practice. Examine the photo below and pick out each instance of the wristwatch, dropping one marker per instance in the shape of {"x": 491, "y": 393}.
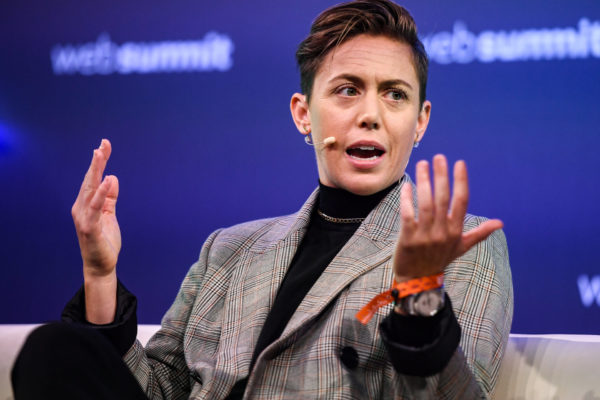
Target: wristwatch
{"x": 423, "y": 304}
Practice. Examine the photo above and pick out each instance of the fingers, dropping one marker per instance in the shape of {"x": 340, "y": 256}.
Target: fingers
{"x": 101, "y": 158}
{"x": 428, "y": 243}
{"x": 431, "y": 241}
{"x": 93, "y": 177}
{"x": 110, "y": 202}
{"x": 424, "y": 196}
{"x": 407, "y": 209}
{"x": 106, "y": 147}
{"x": 104, "y": 199}
{"x": 113, "y": 192}
{"x": 460, "y": 196}
{"x": 441, "y": 193}
{"x": 97, "y": 202}
{"x": 95, "y": 195}
{"x": 479, "y": 233}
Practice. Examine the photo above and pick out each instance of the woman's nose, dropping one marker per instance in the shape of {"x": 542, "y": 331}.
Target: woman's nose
{"x": 369, "y": 117}
{"x": 369, "y": 125}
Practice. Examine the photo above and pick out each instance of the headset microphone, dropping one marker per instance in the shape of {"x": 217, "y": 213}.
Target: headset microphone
{"x": 329, "y": 141}
{"x": 326, "y": 142}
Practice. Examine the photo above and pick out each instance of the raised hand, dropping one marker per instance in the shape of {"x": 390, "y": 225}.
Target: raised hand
{"x": 432, "y": 239}
{"x": 99, "y": 236}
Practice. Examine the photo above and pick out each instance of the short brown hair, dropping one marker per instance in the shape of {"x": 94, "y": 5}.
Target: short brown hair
{"x": 344, "y": 21}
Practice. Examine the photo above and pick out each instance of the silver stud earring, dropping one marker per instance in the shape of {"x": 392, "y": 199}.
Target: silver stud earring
{"x": 308, "y": 139}
{"x": 416, "y": 144}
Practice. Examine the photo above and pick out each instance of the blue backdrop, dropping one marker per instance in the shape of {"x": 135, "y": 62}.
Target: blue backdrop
{"x": 195, "y": 99}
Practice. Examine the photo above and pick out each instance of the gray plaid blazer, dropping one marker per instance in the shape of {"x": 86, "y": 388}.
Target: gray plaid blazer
{"x": 207, "y": 337}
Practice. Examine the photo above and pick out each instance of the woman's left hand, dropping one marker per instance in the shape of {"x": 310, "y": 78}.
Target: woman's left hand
{"x": 431, "y": 241}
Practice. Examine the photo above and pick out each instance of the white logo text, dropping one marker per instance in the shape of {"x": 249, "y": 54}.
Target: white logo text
{"x": 463, "y": 46}
{"x": 589, "y": 290}
{"x": 212, "y": 53}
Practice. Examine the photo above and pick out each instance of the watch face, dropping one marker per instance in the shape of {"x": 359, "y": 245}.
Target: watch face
{"x": 428, "y": 302}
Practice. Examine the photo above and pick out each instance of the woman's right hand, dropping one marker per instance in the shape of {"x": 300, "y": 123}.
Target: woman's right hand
{"x": 99, "y": 236}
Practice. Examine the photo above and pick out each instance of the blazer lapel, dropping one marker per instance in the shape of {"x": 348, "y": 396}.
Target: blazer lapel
{"x": 256, "y": 280}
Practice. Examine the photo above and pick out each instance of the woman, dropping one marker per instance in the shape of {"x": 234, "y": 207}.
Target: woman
{"x": 268, "y": 311}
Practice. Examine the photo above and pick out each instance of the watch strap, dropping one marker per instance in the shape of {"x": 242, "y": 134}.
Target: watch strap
{"x": 398, "y": 291}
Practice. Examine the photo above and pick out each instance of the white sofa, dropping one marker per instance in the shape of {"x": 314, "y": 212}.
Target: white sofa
{"x": 534, "y": 367}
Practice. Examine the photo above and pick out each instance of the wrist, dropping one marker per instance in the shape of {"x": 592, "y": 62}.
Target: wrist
{"x": 100, "y": 298}
{"x": 97, "y": 275}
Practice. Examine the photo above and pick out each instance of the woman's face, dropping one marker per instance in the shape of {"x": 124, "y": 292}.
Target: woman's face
{"x": 366, "y": 95}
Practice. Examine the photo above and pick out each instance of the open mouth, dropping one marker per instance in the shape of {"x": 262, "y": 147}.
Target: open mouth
{"x": 365, "y": 153}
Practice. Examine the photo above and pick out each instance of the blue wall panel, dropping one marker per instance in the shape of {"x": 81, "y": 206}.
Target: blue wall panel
{"x": 207, "y": 141}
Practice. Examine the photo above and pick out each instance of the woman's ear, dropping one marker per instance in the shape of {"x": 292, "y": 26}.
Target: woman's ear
{"x": 300, "y": 113}
{"x": 423, "y": 121}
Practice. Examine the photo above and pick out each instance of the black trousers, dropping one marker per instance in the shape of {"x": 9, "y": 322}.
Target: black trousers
{"x": 70, "y": 361}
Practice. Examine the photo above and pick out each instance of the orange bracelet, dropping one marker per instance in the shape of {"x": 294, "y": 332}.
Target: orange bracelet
{"x": 404, "y": 289}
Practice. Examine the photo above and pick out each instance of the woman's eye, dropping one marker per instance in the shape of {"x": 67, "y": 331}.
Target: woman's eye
{"x": 348, "y": 91}
{"x": 396, "y": 95}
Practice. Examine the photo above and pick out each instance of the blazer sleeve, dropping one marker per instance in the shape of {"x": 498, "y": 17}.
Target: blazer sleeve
{"x": 121, "y": 332}
{"x": 421, "y": 346}
{"x": 479, "y": 285}
{"x": 161, "y": 368}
